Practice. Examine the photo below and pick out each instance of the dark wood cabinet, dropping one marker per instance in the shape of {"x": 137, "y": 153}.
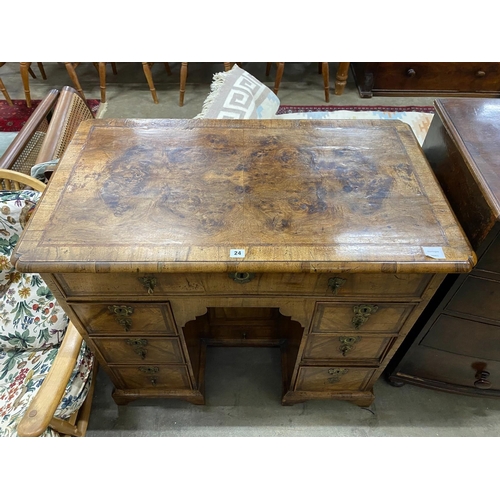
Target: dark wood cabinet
{"x": 480, "y": 79}
{"x": 455, "y": 346}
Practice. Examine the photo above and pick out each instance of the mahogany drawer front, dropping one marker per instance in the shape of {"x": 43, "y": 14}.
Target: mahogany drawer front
{"x": 464, "y": 337}
{"x": 172, "y": 377}
{"x": 140, "y": 350}
{"x": 359, "y": 317}
{"x": 325, "y": 378}
{"x": 368, "y": 348}
{"x": 328, "y": 285}
{"x": 436, "y": 76}
{"x": 125, "y": 318}
{"x": 477, "y": 297}
{"x": 466, "y": 371}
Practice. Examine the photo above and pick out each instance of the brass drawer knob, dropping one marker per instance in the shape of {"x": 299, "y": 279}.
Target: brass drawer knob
{"x": 242, "y": 277}
{"x": 335, "y": 284}
{"x": 482, "y": 381}
{"x": 480, "y": 74}
{"x": 362, "y": 313}
{"x": 122, "y": 315}
{"x": 149, "y": 283}
{"x": 411, "y": 73}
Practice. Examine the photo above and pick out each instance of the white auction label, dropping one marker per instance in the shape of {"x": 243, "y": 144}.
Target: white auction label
{"x": 434, "y": 252}
{"x": 237, "y": 253}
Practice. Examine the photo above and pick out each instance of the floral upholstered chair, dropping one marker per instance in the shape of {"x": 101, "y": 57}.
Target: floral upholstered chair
{"x": 32, "y": 331}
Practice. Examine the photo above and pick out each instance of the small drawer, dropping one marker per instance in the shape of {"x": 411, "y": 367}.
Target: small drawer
{"x": 149, "y": 286}
{"x": 369, "y": 349}
{"x": 477, "y": 297}
{"x": 125, "y": 318}
{"x": 360, "y": 317}
{"x": 327, "y": 378}
{"x": 171, "y": 377}
{"x": 140, "y": 350}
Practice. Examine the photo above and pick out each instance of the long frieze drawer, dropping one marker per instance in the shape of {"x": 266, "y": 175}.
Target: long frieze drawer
{"x": 140, "y": 350}
{"x": 172, "y": 377}
{"x": 359, "y": 317}
{"x": 477, "y": 297}
{"x": 125, "y": 318}
{"x": 324, "y": 378}
{"x": 367, "y": 348}
{"x": 328, "y": 285}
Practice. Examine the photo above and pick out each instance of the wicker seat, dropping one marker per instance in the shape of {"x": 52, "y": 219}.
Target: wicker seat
{"x": 22, "y": 153}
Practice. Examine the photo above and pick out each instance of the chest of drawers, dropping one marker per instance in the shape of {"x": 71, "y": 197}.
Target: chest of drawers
{"x": 162, "y": 238}
{"x": 455, "y": 346}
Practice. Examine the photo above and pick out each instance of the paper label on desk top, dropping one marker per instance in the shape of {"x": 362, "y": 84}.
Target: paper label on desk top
{"x": 434, "y": 252}
{"x": 237, "y": 253}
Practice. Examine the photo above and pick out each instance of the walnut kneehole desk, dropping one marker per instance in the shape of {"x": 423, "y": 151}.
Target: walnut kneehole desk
{"x": 323, "y": 238}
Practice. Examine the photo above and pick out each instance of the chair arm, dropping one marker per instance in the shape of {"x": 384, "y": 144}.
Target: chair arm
{"x": 43, "y": 406}
{"x": 16, "y": 179}
{"x": 16, "y": 147}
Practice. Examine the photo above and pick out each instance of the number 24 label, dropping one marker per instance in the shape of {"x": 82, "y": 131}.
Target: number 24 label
{"x": 237, "y": 252}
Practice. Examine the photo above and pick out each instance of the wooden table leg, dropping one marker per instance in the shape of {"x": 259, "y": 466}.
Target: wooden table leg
{"x": 102, "y": 80}
{"x": 279, "y": 73}
{"x": 341, "y": 77}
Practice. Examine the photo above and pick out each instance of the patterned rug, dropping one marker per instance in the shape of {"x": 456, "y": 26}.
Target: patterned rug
{"x": 327, "y": 108}
{"x": 418, "y": 117}
{"x": 12, "y": 118}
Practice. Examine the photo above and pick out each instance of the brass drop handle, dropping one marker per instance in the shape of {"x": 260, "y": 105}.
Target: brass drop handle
{"x": 242, "y": 277}
{"x": 480, "y": 74}
{"x": 138, "y": 345}
{"x": 153, "y": 380}
{"x": 347, "y": 344}
{"x": 335, "y": 284}
{"x": 149, "y": 283}
{"x": 482, "y": 381}
{"x": 362, "y": 313}
{"x": 122, "y": 315}
{"x": 411, "y": 73}
{"x": 336, "y": 374}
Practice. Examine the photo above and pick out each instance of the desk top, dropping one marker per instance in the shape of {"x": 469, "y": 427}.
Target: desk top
{"x": 294, "y": 196}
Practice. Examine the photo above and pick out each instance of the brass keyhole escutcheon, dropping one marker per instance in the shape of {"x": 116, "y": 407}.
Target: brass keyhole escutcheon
{"x": 347, "y": 344}
{"x": 149, "y": 370}
{"x": 362, "y": 312}
{"x": 122, "y": 315}
{"x": 139, "y": 346}
{"x": 336, "y": 374}
{"x": 242, "y": 277}
{"x": 335, "y": 284}
{"x": 149, "y": 283}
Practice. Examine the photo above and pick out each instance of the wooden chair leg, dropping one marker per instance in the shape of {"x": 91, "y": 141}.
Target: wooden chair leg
{"x": 268, "y": 69}
{"x": 113, "y": 68}
{"x": 74, "y": 78}
{"x": 184, "y": 70}
{"x": 325, "y": 70}
{"x": 102, "y": 80}
{"x": 25, "y": 68}
{"x": 5, "y": 93}
{"x": 42, "y": 71}
{"x": 149, "y": 77}
{"x": 279, "y": 74}
{"x": 167, "y": 68}
{"x": 341, "y": 77}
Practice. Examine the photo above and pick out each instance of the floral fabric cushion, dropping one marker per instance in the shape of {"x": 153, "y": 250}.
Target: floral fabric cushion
{"x": 21, "y": 375}
{"x": 30, "y": 317}
{"x": 236, "y": 94}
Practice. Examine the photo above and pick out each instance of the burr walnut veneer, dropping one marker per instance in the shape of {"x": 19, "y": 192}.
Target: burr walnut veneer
{"x": 163, "y": 237}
